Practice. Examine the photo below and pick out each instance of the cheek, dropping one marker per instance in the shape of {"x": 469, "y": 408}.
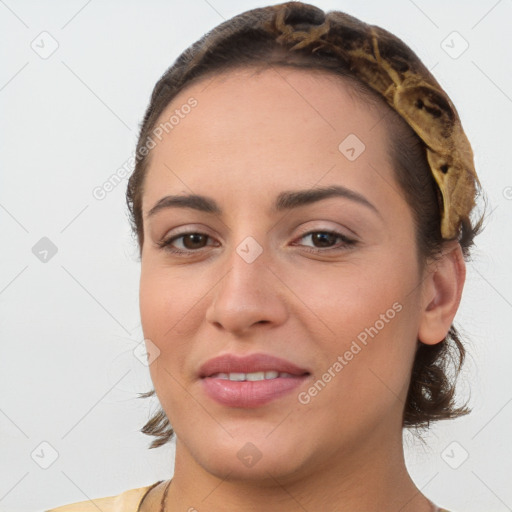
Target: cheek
{"x": 169, "y": 301}
{"x": 172, "y": 311}
{"x": 167, "y": 313}
{"x": 368, "y": 318}
{"x": 156, "y": 307}
{"x": 346, "y": 299}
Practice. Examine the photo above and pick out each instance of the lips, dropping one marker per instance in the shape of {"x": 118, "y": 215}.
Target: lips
{"x": 249, "y": 381}
{"x": 229, "y": 363}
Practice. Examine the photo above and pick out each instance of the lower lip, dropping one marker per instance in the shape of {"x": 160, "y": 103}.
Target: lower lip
{"x": 249, "y": 394}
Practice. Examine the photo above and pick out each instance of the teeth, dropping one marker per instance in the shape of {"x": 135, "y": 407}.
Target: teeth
{"x": 253, "y": 376}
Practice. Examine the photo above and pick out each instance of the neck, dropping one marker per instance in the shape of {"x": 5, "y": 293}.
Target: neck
{"x": 373, "y": 478}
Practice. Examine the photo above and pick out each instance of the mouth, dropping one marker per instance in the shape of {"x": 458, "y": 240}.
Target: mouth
{"x": 252, "y": 376}
{"x": 250, "y": 381}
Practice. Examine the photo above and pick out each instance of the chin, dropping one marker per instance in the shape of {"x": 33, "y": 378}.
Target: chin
{"x": 249, "y": 455}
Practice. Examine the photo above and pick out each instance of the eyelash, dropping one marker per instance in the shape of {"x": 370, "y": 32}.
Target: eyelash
{"x": 347, "y": 243}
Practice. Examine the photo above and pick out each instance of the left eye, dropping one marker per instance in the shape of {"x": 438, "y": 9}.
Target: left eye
{"x": 193, "y": 241}
{"x": 326, "y": 240}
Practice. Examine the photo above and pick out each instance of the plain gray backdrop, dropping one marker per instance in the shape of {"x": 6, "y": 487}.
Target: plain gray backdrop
{"x": 75, "y": 79}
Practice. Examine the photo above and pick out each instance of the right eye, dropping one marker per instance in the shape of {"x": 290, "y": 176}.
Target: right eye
{"x": 191, "y": 242}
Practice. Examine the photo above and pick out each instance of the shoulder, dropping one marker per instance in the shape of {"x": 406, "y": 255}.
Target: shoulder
{"x": 127, "y": 501}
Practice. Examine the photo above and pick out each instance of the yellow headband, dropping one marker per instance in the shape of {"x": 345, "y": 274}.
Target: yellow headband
{"x": 385, "y": 63}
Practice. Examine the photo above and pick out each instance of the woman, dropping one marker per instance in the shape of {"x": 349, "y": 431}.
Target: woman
{"x": 301, "y": 200}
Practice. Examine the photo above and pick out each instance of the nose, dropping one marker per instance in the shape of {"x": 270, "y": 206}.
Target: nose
{"x": 249, "y": 295}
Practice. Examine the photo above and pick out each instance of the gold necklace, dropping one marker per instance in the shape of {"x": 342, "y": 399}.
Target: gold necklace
{"x": 164, "y": 497}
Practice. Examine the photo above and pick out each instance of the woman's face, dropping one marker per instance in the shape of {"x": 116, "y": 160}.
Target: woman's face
{"x": 263, "y": 277}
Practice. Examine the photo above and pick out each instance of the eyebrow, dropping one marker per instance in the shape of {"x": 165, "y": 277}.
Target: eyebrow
{"x": 285, "y": 200}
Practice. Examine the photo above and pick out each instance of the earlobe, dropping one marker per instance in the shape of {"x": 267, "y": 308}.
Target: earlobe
{"x": 442, "y": 291}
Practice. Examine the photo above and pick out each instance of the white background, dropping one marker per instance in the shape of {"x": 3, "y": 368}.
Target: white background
{"x": 69, "y": 326}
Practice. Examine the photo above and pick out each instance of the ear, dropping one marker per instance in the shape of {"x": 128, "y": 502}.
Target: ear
{"x": 442, "y": 291}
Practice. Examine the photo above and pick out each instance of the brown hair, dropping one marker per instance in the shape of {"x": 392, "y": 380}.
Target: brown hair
{"x": 251, "y": 39}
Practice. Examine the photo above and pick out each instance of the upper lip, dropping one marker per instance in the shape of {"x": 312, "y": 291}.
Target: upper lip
{"x": 230, "y": 363}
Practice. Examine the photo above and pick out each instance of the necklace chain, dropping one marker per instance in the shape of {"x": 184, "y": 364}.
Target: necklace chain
{"x": 164, "y": 497}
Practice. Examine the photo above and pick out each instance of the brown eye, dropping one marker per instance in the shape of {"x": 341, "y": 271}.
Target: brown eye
{"x": 186, "y": 243}
{"x": 194, "y": 240}
{"x": 324, "y": 239}
{"x": 327, "y": 240}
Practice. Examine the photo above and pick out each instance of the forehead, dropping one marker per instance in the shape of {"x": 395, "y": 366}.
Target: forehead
{"x": 251, "y": 128}
{"x": 281, "y": 92}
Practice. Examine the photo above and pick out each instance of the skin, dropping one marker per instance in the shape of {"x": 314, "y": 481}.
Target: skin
{"x": 250, "y": 137}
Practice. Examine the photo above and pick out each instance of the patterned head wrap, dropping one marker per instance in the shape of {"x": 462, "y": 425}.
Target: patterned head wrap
{"x": 382, "y": 61}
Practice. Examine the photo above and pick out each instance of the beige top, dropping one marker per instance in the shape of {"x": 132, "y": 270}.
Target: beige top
{"x": 127, "y": 501}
